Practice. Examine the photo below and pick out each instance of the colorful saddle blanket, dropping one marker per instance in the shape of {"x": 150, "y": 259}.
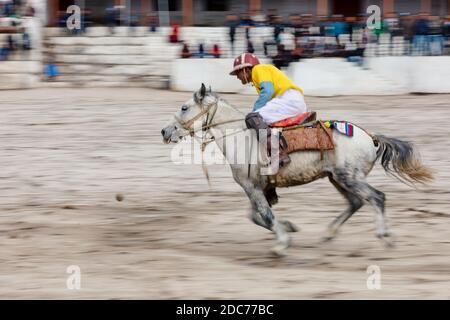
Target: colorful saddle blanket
{"x": 317, "y": 136}
{"x": 343, "y": 127}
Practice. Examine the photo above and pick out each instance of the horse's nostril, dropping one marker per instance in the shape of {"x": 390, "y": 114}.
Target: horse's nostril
{"x": 163, "y": 132}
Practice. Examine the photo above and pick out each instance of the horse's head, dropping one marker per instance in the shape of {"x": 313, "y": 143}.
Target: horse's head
{"x": 195, "y": 109}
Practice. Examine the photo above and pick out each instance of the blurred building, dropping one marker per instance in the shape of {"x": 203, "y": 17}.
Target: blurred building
{"x": 213, "y": 12}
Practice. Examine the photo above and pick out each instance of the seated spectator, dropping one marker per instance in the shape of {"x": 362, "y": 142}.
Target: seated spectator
{"x": 201, "y": 51}
{"x": 185, "y": 53}
{"x": 282, "y": 58}
{"x": 271, "y": 15}
{"x": 287, "y": 39}
{"x": 258, "y": 18}
{"x": 216, "y": 52}
{"x": 173, "y": 38}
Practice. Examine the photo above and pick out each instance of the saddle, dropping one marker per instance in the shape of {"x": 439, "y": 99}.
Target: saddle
{"x": 304, "y": 132}
{"x": 296, "y": 120}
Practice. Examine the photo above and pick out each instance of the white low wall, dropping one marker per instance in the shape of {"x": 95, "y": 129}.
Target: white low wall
{"x": 189, "y": 74}
{"x": 418, "y": 74}
{"x": 336, "y": 76}
{"x": 328, "y": 76}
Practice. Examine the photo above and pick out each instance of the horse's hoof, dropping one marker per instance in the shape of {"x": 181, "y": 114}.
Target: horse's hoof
{"x": 327, "y": 239}
{"x": 280, "y": 250}
{"x": 387, "y": 240}
{"x": 289, "y": 226}
{"x": 331, "y": 234}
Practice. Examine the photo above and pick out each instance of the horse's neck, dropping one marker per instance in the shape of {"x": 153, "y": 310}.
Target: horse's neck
{"x": 227, "y": 121}
{"x": 225, "y": 116}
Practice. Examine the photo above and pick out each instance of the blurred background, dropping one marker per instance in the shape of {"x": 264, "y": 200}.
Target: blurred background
{"x": 142, "y": 42}
{"x": 81, "y": 110}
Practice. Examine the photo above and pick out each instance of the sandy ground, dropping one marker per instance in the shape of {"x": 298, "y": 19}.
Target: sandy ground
{"x": 65, "y": 154}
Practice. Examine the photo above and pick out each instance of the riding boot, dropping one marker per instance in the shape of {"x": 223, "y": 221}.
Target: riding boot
{"x": 282, "y": 154}
{"x": 254, "y": 121}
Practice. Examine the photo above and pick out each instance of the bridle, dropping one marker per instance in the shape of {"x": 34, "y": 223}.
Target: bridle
{"x": 206, "y": 125}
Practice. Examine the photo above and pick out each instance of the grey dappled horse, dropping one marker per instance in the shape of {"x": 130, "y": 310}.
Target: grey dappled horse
{"x": 346, "y": 166}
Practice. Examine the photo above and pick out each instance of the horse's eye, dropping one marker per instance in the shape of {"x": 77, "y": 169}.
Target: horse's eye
{"x": 184, "y": 108}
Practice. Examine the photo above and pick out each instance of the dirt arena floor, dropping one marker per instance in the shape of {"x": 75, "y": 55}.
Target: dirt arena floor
{"x": 65, "y": 154}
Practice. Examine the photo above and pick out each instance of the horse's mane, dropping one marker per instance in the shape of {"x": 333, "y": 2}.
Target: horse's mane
{"x": 219, "y": 99}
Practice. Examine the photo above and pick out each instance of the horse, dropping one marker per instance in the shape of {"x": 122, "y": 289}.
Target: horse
{"x": 346, "y": 166}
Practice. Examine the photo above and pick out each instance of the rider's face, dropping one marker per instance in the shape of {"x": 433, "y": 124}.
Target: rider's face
{"x": 243, "y": 75}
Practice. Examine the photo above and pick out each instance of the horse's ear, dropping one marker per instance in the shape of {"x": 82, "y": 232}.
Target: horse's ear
{"x": 202, "y": 91}
{"x": 209, "y": 90}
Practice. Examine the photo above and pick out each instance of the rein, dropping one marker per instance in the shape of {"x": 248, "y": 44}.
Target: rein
{"x": 187, "y": 125}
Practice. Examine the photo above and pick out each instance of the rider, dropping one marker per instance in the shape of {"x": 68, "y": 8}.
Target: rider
{"x": 279, "y": 98}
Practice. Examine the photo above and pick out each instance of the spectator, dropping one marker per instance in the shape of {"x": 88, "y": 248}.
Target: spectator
{"x": 185, "y": 53}
{"x": 282, "y": 58}
{"x": 339, "y": 25}
{"x": 435, "y": 38}
{"x": 8, "y": 9}
{"x": 446, "y": 28}
{"x": 287, "y": 40}
{"x": 4, "y": 52}
{"x": 250, "y": 47}
{"x": 392, "y": 24}
{"x": 307, "y": 24}
{"x": 216, "y": 52}
{"x": 51, "y": 70}
{"x": 173, "y": 38}
{"x": 295, "y": 24}
{"x": 446, "y": 35}
{"x": 271, "y": 14}
{"x": 153, "y": 22}
{"x": 421, "y": 31}
{"x": 110, "y": 18}
{"x": 201, "y": 51}
{"x": 407, "y": 26}
{"x": 246, "y": 23}
{"x": 232, "y": 23}
{"x": 134, "y": 19}
{"x": 277, "y": 27}
{"x": 258, "y": 18}
{"x": 29, "y": 11}
{"x": 26, "y": 41}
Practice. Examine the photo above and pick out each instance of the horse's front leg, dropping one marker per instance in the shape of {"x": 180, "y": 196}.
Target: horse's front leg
{"x": 256, "y": 218}
{"x": 262, "y": 215}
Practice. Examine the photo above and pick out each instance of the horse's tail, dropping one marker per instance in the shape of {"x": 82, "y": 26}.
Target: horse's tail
{"x": 399, "y": 159}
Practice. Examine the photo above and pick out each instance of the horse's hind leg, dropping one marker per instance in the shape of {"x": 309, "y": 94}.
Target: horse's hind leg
{"x": 377, "y": 200}
{"x": 359, "y": 188}
{"x": 355, "y": 203}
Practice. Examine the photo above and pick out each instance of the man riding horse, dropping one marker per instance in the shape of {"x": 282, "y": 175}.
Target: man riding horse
{"x": 279, "y": 98}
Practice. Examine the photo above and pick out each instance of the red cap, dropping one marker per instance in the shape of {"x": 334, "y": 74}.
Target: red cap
{"x": 244, "y": 60}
